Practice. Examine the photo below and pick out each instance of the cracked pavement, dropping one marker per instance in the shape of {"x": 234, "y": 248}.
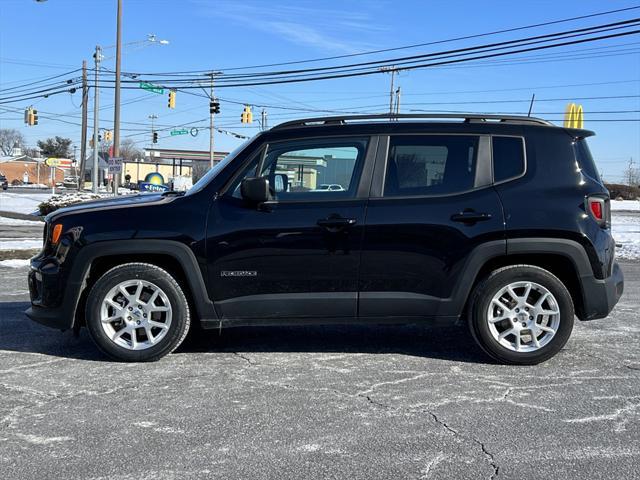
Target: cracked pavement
{"x": 319, "y": 402}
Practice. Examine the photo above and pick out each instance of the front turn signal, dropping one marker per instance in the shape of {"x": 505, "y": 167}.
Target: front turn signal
{"x": 55, "y": 234}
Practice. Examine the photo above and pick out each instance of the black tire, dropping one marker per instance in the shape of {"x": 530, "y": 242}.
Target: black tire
{"x": 180, "y": 321}
{"x": 482, "y": 296}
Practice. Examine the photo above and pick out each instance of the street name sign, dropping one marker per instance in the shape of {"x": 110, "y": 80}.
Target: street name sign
{"x": 182, "y": 131}
{"x": 150, "y": 87}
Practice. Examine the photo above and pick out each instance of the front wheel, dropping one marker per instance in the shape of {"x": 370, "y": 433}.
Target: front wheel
{"x": 137, "y": 312}
{"x": 521, "y": 315}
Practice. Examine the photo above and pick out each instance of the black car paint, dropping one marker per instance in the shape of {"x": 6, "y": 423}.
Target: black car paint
{"x": 404, "y": 258}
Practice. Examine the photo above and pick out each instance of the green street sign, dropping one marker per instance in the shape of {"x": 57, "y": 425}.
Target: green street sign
{"x": 182, "y": 131}
{"x": 150, "y": 87}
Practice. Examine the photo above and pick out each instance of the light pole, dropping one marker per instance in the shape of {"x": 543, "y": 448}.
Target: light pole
{"x": 116, "y": 107}
{"x": 96, "y": 124}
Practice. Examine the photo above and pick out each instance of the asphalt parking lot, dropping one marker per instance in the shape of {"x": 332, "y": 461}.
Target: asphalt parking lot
{"x": 319, "y": 402}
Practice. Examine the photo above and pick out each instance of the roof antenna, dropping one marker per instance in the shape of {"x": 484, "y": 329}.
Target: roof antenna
{"x": 533, "y": 97}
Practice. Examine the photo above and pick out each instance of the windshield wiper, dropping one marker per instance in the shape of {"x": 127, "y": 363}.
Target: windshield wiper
{"x": 173, "y": 192}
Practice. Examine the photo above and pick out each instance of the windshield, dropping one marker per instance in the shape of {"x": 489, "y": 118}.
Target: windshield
{"x": 217, "y": 168}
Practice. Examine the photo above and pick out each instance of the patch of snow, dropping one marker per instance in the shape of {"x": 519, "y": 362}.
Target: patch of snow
{"x": 22, "y": 202}
{"x": 17, "y": 221}
{"x": 20, "y": 243}
{"x": 626, "y": 231}
{"x": 14, "y": 263}
{"x": 629, "y": 205}
{"x": 309, "y": 448}
{"x": 38, "y": 440}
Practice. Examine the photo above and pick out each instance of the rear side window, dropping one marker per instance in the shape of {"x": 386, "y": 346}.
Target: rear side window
{"x": 430, "y": 165}
{"x": 585, "y": 160}
{"x": 508, "y": 158}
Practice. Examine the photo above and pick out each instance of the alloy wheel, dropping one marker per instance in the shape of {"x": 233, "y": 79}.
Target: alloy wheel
{"x": 135, "y": 314}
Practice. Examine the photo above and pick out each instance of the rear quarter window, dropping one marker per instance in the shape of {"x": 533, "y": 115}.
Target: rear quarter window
{"x": 585, "y": 160}
{"x": 508, "y": 158}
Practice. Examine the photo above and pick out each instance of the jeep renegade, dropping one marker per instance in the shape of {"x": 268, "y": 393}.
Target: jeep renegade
{"x": 502, "y": 221}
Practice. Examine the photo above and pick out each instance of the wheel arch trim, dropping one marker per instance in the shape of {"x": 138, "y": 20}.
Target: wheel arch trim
{"x": 181, "y": 253}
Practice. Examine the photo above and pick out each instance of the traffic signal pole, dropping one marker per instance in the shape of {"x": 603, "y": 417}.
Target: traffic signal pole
{"x": 211, "y": 115}
{"x": 96, "y": 123}
{"x": 116, "y": 107}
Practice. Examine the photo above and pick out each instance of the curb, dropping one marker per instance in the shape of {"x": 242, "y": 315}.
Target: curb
{"x": 21, "y": 216}
{"x": 18, "y": 254}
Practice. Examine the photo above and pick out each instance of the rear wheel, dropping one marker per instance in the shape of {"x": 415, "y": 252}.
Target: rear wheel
{"x": 521, "y": 314}
{"x": 137, "y": 312}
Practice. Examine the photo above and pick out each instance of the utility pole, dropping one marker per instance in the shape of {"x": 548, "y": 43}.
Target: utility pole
{"x": 83, "y": 133}
{"x": 96, "y": 123}
{"x": 211, "y": 131}
{"x": 392, "y": 70}
{"x": 116, "y": 107}
{"x": 398, "y": 101}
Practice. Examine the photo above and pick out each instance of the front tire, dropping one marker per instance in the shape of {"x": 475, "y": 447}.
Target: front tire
{"x": 137, "y": 312}
{"x": 521, "y": 315}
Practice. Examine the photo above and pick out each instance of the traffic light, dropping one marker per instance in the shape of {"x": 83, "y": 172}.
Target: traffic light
{"x": 172, "y": 99}
{"x": 31, "y": 116}
{"x": 108, "y": 135}
{"x": 214, "y": 106}
{"x": 91, "y": 140}
{"x": 155, "y": 137}
{"x": 246, "y": 116}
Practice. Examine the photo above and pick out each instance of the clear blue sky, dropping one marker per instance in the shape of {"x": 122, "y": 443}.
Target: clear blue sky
{"x": 43, "y": 39}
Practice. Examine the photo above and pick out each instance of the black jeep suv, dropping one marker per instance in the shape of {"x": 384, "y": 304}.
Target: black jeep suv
{"x": 500, "y": 220}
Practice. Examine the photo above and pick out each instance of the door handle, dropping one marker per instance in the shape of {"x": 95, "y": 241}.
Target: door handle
{"x": 336, "y": 222}
{"x": 470, "y": 217}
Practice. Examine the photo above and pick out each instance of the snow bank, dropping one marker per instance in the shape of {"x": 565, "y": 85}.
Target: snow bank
{"x": 14, "y": 263}
{"x": 20, "y": 243}
{"x": 66, "y": 199}
{"x": 22, "y": 202}
{"x": 626, "y": 231}
{"x": 629, "y": 205}
{"x": 16, "y": 221}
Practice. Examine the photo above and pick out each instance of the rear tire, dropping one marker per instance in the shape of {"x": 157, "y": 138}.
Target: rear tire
{"x": 137, "y": 312}
{"x": 521, "y": 315}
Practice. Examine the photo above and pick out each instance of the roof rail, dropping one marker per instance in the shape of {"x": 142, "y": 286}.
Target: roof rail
{"x": 466, "y": 117}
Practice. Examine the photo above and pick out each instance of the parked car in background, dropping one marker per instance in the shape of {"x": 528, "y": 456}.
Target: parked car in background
{"x": 329, "y": 188}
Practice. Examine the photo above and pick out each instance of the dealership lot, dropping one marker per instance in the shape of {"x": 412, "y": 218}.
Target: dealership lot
{"x": 319, "y": 402}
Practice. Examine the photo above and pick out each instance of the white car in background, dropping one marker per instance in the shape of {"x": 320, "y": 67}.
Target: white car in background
{"x": 329, "y": 187}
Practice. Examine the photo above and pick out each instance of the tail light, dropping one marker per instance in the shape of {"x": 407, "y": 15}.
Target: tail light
{"x": 599, "y": 209}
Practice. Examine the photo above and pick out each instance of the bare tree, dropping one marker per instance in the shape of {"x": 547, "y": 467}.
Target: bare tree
{"x": 9, "y": 138}
{"x": 631, "y": 175}
{"x": 129, "y": 151}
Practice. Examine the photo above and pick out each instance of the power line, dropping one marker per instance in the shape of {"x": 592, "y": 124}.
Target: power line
{"x": 405, "y": 47}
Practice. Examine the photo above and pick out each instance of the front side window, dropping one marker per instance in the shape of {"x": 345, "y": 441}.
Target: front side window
{"x": 430, "y": 165}
{"x": 311, "y": 170}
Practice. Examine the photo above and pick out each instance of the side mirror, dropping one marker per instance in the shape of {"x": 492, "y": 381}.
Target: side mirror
{"x": 255, "y": 190}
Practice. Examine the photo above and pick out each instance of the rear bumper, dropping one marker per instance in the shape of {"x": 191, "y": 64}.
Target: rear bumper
{"x": 600, "y": 296}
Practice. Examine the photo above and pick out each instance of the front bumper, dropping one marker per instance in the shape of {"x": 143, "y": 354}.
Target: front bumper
{"x": 600, "y": 296}
{"x": 53, "y": 297}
